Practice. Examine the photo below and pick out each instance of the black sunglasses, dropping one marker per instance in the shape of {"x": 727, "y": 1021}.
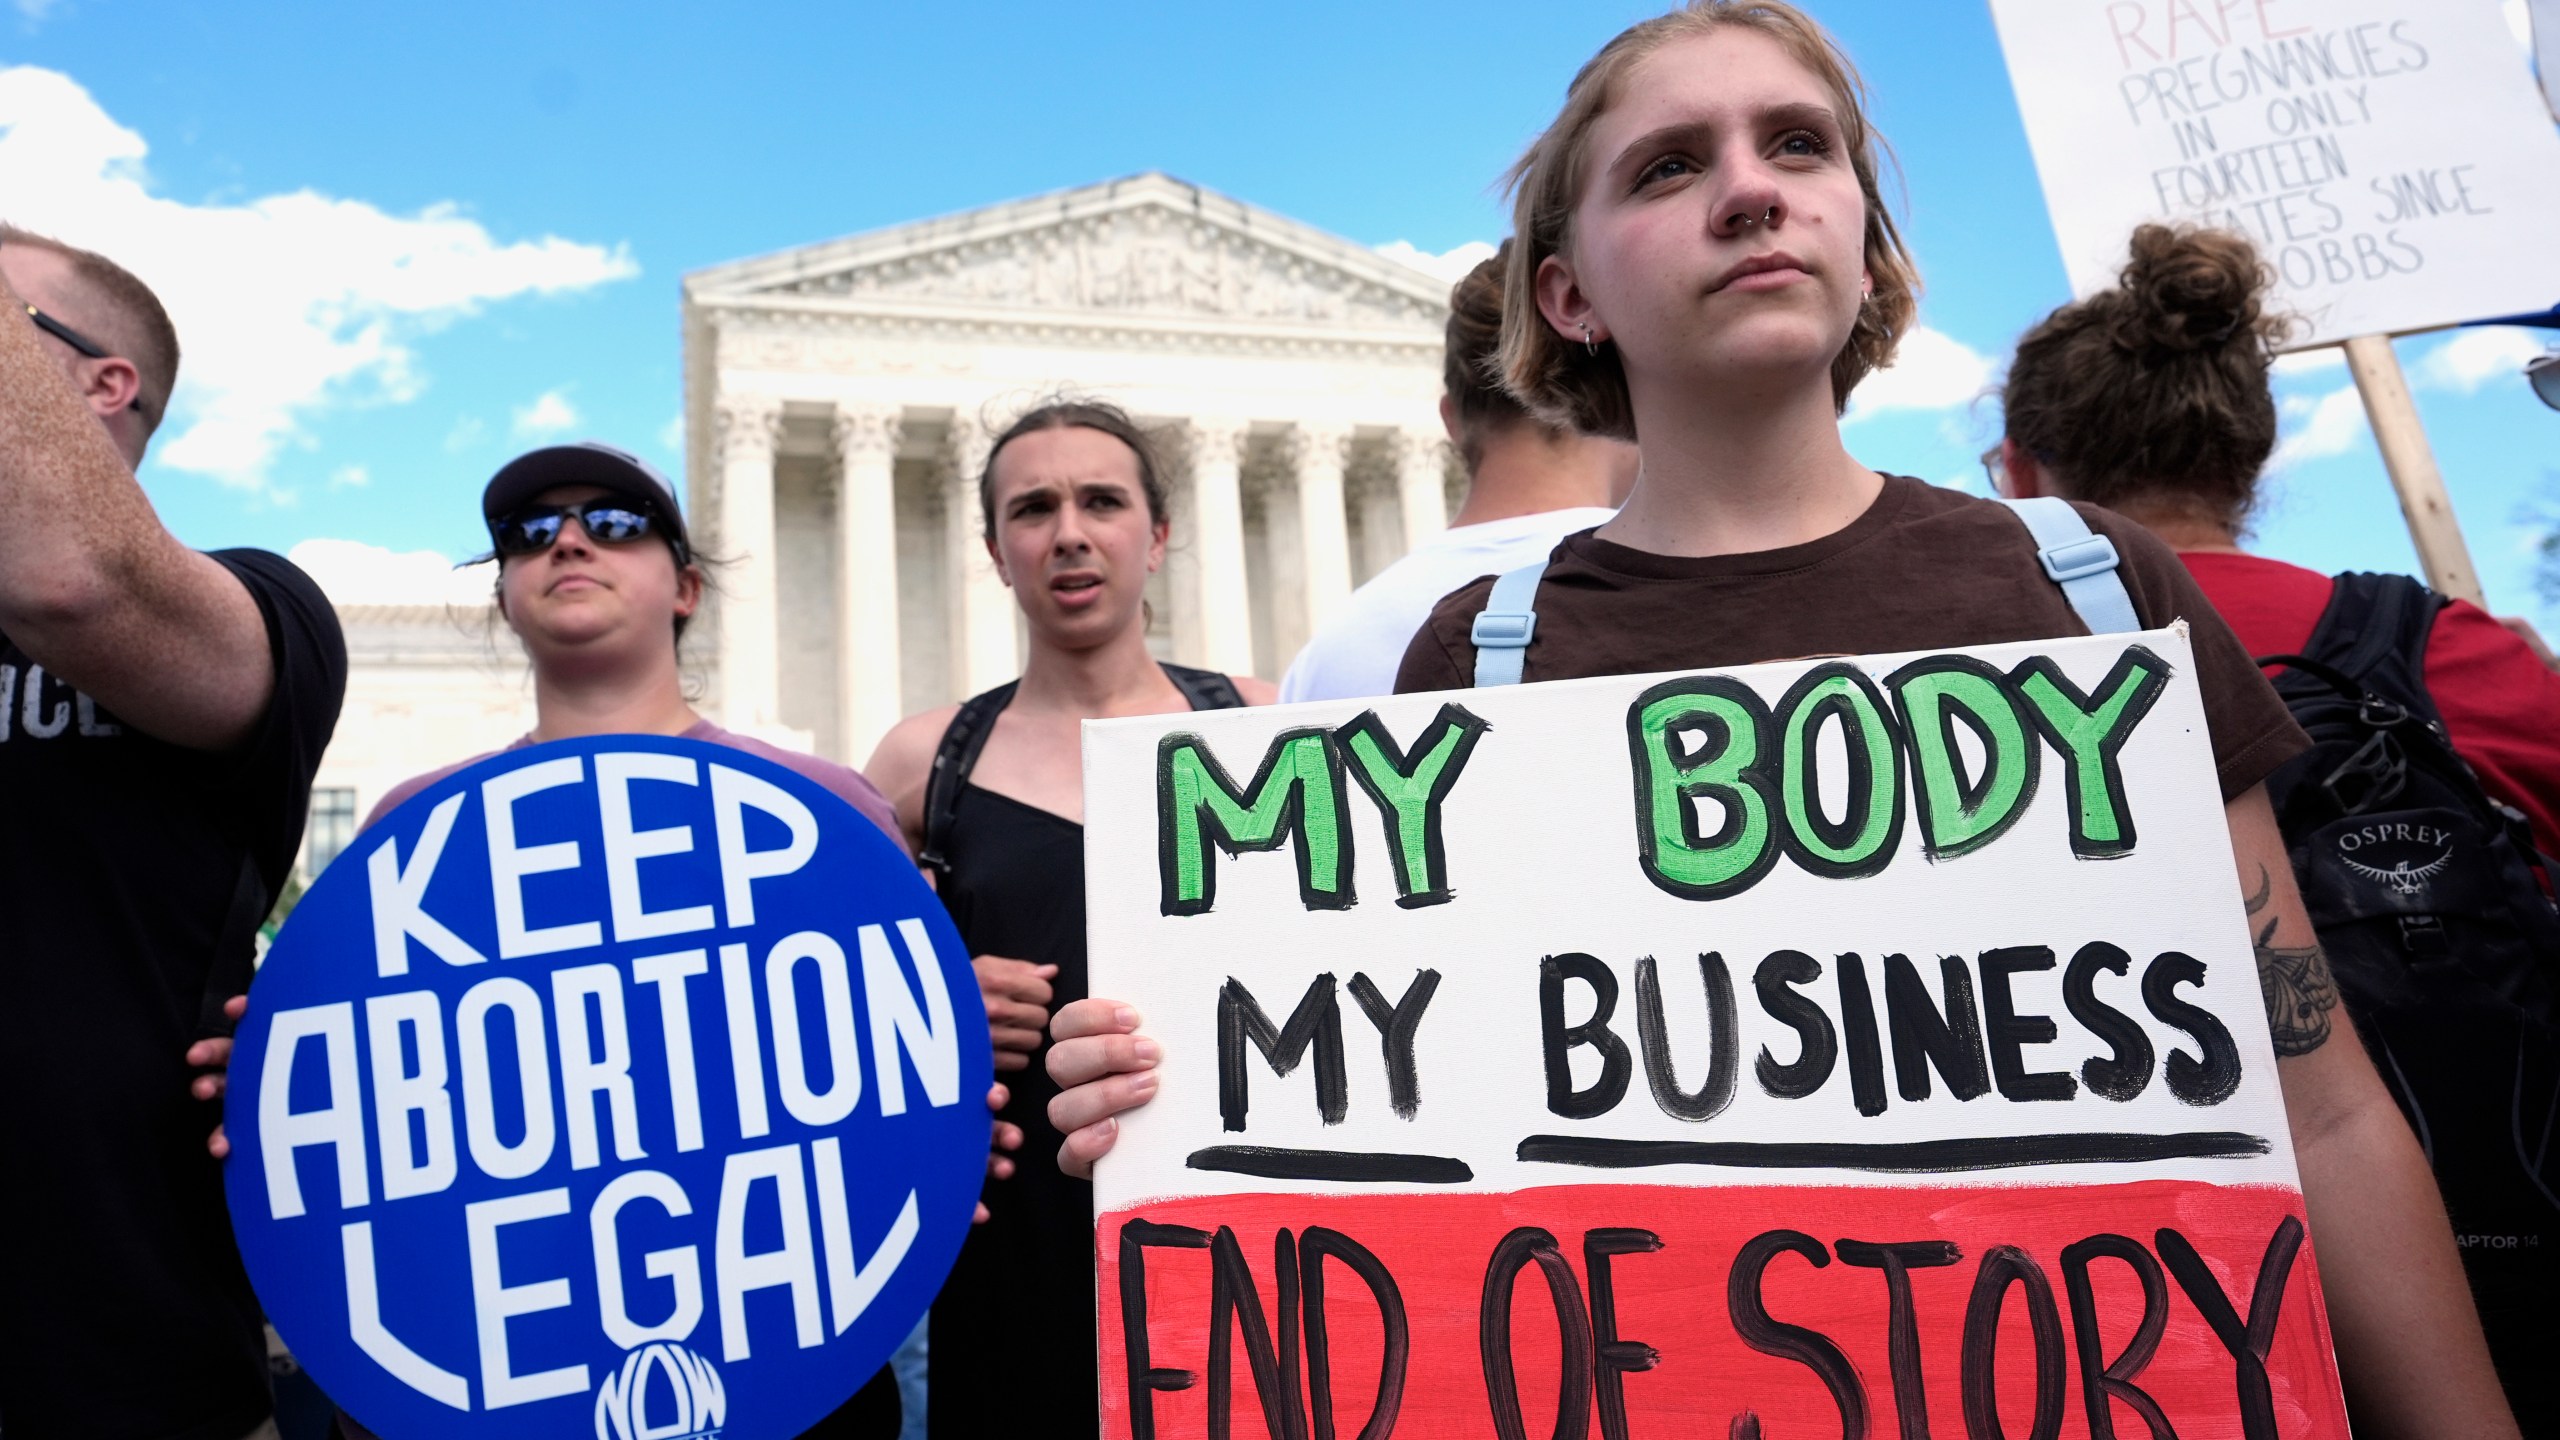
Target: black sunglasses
{"x": 535, "y": 528}
{"x": 66, "y": 334}
{"x": 2544, "y": 375}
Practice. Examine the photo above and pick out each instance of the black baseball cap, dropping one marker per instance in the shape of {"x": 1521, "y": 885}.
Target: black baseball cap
{"x": 586, "y": 462}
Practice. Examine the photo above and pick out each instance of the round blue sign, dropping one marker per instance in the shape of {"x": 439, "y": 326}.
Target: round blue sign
{"x": 626, "y": 1084}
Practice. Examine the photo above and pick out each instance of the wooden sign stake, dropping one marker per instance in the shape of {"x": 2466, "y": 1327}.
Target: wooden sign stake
{"x": 2412, "y": 465}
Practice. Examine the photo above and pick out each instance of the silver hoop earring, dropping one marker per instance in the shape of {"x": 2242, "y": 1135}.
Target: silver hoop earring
{"x": 1589, "y": 346}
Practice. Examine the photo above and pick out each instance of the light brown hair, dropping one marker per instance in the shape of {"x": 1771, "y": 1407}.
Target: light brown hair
{"x": 1561, "y": 382}
{"x": 2157, "y": 389}
{"x": 135, "y": 326}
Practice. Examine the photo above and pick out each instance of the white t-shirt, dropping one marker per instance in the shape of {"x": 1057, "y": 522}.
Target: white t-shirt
{"x": 1358, "y": 651}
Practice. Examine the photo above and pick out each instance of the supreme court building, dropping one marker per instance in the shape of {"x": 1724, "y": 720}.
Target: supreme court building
{"x": 840, "y": 399}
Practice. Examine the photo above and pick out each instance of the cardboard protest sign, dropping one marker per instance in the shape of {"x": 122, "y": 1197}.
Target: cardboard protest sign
{"x": 1809, "y": 1043}
{"x": 2391, "y": 158}
{"x": 627, "y": 1084}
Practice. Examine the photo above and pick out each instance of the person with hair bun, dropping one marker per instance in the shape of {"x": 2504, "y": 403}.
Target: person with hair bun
{"x": 2151, "y": 399}
{"x": 1704, "y": 265}
{"x": 992, "y": 795}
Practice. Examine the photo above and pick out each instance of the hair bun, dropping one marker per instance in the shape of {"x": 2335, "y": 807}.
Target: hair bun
{"x": 2190, "y": 290}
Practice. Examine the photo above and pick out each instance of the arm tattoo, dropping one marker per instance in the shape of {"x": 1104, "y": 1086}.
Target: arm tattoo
{"x": 2299, "y": 992}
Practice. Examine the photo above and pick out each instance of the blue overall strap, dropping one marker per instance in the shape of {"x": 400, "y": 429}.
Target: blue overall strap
{"x": 2081, "y": 561}
{"x": 1504, "y": 628}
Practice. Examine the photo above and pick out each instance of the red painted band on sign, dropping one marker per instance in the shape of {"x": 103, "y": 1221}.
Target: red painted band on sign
{"x": 2000, "y": 1295}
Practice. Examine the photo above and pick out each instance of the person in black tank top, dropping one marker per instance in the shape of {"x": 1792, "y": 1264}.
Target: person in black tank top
{"x": 991, "y": 793}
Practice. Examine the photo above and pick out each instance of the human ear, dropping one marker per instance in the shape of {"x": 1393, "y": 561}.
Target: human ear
{"x": 1561, "y": 301}
{"x": 111, "y": 385}
{"x": 996, "y": 556}
{"x": 688, "y": 590}
{"x": 1449, "y": 419}
{"x": 1158, "y": 535}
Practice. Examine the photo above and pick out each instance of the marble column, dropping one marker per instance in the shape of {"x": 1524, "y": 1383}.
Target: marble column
{"x": 1323, "y": 528}
{"x": 869, "y": 697}
{"x": 982, "y": 612}
{"x": 745, "y": 431}
{"x": 1421, "y": 485}
{"x": 1217, "y": 542}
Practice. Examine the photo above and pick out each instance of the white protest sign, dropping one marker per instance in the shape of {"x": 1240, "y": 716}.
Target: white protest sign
{"x": 2391, "y": 158}
{"x": 1538, "y": 1051}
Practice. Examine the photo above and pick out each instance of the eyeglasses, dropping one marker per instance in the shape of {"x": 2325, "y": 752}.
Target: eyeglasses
{"x": 2544, "y": 376}
{"x": 67, "y": 335}
{"x": 535, "y": 528}
{"x": 1996, "y": 470}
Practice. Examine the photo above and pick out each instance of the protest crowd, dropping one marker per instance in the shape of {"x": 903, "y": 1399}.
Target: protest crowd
{"x": 1645, "y": 388}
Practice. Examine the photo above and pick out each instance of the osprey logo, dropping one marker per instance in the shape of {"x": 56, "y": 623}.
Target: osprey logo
{"x": 661, "y": 1392}
{"x": 2381, "y": 853}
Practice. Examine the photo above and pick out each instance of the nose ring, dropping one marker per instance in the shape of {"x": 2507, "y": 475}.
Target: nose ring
{"x": 1769, "y": 217}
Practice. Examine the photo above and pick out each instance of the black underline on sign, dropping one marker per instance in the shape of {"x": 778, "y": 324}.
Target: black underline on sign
{"x": 1998, "y": 1152}
{"x": 1274, "y": 1163}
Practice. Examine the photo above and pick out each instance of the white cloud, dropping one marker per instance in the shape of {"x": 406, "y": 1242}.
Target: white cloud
{"x": 464, "y": 434}
{"x": 285, "y": 304}
{"x": 1449, "y": 266}
{"x": 2318, "y": 428}
{"x": 350, "y": 475}
{"x": 1931, "y": 370}
{"x": 2473, "y": 358}
{"x": 671, "y": 438}
{"x": 351, "y": 572}
{"x": 550, "y": 414}
{"x": 36, "y": 12}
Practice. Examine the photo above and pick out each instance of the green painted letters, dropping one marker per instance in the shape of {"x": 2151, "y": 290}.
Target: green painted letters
{"x": 1408, "y": 788}
{"x": 1961, "y": 813}
{"x": 2087, "y": 733}
{"x": 1731, "y": 725}
{"x": 1297, "y": 795}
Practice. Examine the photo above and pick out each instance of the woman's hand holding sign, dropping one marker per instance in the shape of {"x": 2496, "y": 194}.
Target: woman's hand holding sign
{"x": 1102, "y": 1066}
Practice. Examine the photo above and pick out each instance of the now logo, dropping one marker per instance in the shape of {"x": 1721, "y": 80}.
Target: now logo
{"x": 688, "y": 1399}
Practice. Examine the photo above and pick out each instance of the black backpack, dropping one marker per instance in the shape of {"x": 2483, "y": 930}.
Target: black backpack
{"x": 975, "y": 720}
{"x": 2433, "y": 907}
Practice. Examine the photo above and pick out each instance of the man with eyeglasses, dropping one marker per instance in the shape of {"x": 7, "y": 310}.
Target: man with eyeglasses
{"x": 161, "y": 713}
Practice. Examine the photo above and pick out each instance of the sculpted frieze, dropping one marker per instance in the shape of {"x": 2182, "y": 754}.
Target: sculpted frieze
{"x": 1150, "y": 261}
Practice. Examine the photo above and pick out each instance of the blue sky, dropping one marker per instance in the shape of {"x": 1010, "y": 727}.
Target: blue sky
{"x": 403, "y": 247}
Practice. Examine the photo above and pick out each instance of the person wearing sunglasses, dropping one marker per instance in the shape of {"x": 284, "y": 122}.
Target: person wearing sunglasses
{"x": 598, "y": 579}
{"x": 162, "y": 712}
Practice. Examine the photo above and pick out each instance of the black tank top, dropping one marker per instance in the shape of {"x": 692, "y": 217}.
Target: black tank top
{"x": 1013, "y": 1330}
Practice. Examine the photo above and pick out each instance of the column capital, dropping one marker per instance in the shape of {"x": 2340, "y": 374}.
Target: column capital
{"x": 744, "y": 425}
{"x": 1321, "y": 444}
{"x": 1420, "y": 449}
{"x": 867, "y": 432}
{"x": 1218, "y": 439}
{"x": 969, "y": 445}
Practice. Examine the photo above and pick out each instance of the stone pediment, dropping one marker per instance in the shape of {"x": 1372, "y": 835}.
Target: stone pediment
{"x": 1146, "y": 247}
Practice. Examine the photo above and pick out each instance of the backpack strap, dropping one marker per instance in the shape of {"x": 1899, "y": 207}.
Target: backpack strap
{"x": 1505, "y": 626}
{"x": 2375, "y": 630}
{"x": 1205, "y": 689}
{"x": 2081, "y": 561}
{"x": 962, "y": 739}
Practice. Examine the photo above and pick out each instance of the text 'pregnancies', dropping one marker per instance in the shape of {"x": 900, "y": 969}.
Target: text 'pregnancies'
{"x": 638, "y": 1068}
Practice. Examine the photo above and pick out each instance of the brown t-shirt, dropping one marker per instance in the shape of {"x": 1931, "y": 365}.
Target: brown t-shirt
{"x": 1923, "y": 569}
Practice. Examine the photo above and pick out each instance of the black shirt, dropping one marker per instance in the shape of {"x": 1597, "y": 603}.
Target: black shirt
{"x": 127, "y": 868}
